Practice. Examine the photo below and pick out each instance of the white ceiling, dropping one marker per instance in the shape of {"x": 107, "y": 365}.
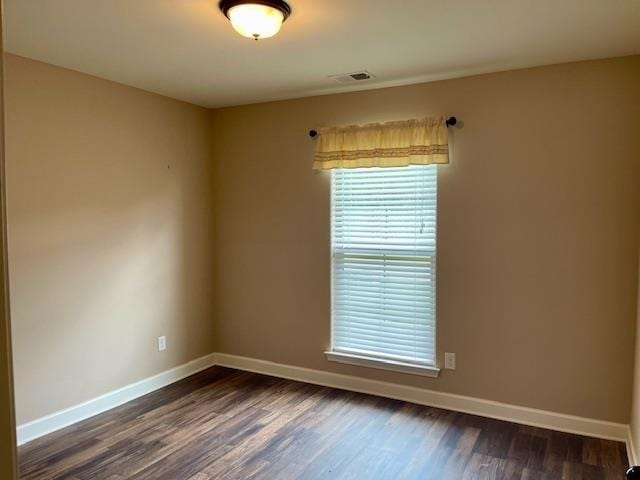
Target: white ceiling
{"x": 186, "y": 49}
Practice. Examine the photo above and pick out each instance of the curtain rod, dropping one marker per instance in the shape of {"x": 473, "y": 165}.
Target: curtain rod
{"x": 451, "y": 121}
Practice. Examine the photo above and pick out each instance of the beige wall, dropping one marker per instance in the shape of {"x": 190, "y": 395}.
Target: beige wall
{"x": 112, "y": 203}
{"x": 110, "y": 234}
{"x": 538, "y": 232}
{"x": 8, "y": 465}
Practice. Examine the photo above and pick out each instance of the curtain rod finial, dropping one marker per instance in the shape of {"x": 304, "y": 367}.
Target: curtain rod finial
{"x": 313, "y": 133}
{"x": 451, "y": 121}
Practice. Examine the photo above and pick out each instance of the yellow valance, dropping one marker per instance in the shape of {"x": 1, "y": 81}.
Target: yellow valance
{"x": 392, "y": 144}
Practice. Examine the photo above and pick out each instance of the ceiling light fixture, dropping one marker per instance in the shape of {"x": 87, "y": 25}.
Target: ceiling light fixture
{"x": 256, "y": 18}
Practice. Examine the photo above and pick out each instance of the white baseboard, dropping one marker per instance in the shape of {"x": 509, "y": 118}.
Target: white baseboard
{"x": 631, "y": 449}
{"x": 63, "y": 418}
{"x": 459, "y": 403}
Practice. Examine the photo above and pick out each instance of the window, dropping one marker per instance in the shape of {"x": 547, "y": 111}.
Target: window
{"x": 383, "y": 246}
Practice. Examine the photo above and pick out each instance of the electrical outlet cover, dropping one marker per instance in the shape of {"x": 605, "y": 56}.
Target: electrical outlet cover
{"x": 450, "y": 361}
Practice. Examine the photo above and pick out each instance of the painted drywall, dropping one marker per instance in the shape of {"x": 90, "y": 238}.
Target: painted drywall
{"x": 537, "y": 232}
{"x": 8, "y": 467}
{"x": 113, "y": 192}
{"x": 110, "y": 234}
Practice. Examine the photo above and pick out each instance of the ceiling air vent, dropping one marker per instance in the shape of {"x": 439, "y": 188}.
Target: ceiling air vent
{"x": 352, "y": 77}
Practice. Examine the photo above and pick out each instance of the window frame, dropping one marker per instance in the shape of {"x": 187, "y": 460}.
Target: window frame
{"x": 428, "y": 369}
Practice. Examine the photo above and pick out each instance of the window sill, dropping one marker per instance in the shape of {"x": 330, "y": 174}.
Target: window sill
{"x": 391, "y": 365}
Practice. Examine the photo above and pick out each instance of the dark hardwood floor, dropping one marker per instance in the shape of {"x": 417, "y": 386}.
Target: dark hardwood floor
{"x": 227, "y": 424}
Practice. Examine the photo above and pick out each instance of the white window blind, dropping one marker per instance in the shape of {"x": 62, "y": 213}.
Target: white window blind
{"x": 384, "y": 262}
